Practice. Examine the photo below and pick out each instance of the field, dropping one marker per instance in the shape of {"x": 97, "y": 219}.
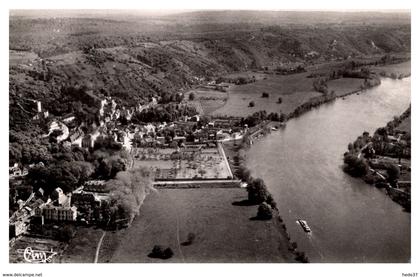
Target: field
{"x": 207, "y": 100}
{"x": 208, "y": 163}
{"x": 344, "y": 85}
{"x": 399, "y": 68}
{"x": 293, "y": 89}
{"x": 223, "y": 232}
{"x": 83, "y": 246}
{"x": 21, "y": 57}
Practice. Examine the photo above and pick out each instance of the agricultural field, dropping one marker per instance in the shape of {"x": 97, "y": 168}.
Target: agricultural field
{"x": 294, "y": 90}
{"x": 21, "y": 57}
{"x": 222, "y": 232}
{"x": 206, "y": 164}
{"x": 206, "y": 100}
{"x": 343, "y": 86}
{"x": 399, "y": 68}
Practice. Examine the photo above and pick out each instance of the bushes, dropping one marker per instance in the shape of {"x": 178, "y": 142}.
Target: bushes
{"x": 244, "y": 174}
{"x": 265, "y": 95}
{"x": 257, "y": 191}
{"x": 355, "y": 166}
{"x": 66, "y": 233}
{"x": 320, "y": 85}
{"x": 393, "y": 172}
{"x": 160, "y": 253}
{"x": 251, "y": 104}
{"x": 301, "y": 257}
{"x": 264, "y": 211}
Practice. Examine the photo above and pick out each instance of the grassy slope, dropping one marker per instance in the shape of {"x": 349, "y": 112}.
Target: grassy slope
{"x": 294, "y": 89}
{"x": 224, "y": 233}
{"x": 207, "y": 100}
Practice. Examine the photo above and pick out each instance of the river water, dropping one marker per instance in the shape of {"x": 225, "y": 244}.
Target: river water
{"x": 302, "y": 167}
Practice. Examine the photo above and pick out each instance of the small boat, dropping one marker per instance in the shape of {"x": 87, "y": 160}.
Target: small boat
{"x": 304, "y": 225}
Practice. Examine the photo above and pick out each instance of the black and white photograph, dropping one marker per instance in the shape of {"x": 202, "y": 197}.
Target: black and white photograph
{"x": 208, "y": 136}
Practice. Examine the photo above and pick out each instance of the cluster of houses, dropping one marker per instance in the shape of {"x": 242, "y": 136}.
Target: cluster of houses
{"x": 18, "y": 171}
{"x": 82, "y": 205}
{"x": 172, "y": 134}
{"x": 85, "y": 203}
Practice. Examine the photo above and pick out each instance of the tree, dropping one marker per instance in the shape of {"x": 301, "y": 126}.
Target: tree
{"x": 66, "y": 233}
{"x": 270, "y": 201}
{"x": 257, "y": 192}
{"x": 301, "y": 257}
{"x": 160, "y": 252}
{"x": 265, "y": 95}
{"x": 393, "y": 172}
{"x": 191, "y": 97}
{"x": 264, "y": 211}
{"x": 252, "y": 104}
{"x": 244, "y": 174}
{"x": 355, "y": 166}
{"x": 280, "y": 100}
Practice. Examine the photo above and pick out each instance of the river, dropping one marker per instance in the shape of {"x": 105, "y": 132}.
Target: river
{"x": 301, "y": 165}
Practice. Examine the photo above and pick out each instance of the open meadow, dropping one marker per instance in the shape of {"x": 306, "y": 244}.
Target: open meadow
{"x": 222, "y": 232}
{"x": 343, "y": 86}
{"x": 207, "y": 100}
{"x": 294, "y": 90}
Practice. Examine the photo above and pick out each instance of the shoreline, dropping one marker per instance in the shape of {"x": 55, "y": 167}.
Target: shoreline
{"x": 290, "y": 116}
{"x": 281, "y": 227}
{"x": 380, "y": 167}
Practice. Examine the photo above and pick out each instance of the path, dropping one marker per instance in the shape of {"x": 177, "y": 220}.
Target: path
{"x": 177, "y": 238}
{"x": 99, "y": 247}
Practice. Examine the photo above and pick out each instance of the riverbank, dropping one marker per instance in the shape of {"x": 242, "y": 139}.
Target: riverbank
{"x": 236, "y": 154}
{"x": 394, "y": 71}
{"x": 294, "y": 90}
{"x": 384, "y": 159}
{"x": 295, "y": 165}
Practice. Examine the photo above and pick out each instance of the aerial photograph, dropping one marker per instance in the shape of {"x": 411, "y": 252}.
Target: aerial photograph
{"x": 209, "y": 136}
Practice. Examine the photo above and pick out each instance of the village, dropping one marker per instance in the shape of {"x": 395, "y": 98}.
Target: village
{"x": 186, "y": 153}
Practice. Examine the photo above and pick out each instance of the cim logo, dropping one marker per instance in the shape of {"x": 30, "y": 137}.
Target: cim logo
{"x": 37, "y": 256}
